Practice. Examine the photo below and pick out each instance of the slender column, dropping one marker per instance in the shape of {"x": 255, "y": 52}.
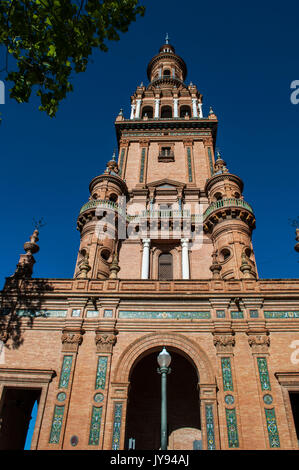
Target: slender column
{"x": 133, "y": 107}
{"x": 200, "y": 110}
{"x": 138, "y": 106}
{"x": 145, "y": 258}
{"x": 157, "y": 103}
{"x": 164, "y": 371}
{"x": 185, "y": 258}
{"x": 175, "y": 107}
{"x": 194, "y": 106}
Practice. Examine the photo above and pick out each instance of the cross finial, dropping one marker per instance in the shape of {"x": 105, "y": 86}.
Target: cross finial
{"x": 38, "y": 223}
{"x": 166, "y": 38}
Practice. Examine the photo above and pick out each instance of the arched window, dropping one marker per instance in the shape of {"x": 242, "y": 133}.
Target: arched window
{"x": 165, "y": 266}
{"x": 147, "y": 110}
{"x": 185, "y": 110}
{"x": 113, "y": 197}
{"x": 166, "y": 112}
{"x": 166, "y": 73}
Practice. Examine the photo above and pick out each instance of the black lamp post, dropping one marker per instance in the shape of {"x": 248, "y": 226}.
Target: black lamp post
{"x": 164, "y": 360}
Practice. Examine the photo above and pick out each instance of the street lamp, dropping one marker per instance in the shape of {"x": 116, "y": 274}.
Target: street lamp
{"x": 164, "y": 360}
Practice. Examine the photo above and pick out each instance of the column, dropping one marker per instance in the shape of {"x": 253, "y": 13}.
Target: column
{"x": 138, "y": 106}
{"x": 194, "y": 106}
{"x": 185, "y": 258}
{"x": 145, "y": 258}
{"x": 200, "y": 110}
{"x": 157, "y": 104}
{"x": 133, "y": 107}
{"x": 175, "y": 107}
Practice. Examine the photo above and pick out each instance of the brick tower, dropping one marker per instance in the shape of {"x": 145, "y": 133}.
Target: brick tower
{"x": 165, "y": 261}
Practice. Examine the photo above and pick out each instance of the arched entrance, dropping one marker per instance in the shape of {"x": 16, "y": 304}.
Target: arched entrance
{"x": 144, "y": 404}
{"x": 122, "y": 383}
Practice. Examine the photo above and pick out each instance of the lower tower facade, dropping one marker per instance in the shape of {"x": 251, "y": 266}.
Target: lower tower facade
{"x": 165, "y": 260}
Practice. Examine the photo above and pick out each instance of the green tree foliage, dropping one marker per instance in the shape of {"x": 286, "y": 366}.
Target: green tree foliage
{"x": 50, "y": 39}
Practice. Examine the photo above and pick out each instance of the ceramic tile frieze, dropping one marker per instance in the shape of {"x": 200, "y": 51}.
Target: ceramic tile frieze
{"x": 210, "y": 427}
{"x": 263, "y": 373}
{"x": 101, "y": 372}
{"x": 65, "y": 371}
{"x": 227, "y": 374}
{"x": 161, "y": 315}
{"x": 284, "y": 314}
{"x": 116, "y": 425}
{"x": 95, "y": 426}
{"x": 272, "y": 427}
{"x": 56, "y": 424}
{"x": 232, "y": 429}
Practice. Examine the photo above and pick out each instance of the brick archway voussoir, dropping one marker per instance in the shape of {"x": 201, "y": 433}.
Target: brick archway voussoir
{"x": 154, "y": 341}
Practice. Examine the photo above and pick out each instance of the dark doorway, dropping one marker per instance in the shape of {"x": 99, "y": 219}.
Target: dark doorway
{"x": 166, "y": 112}
{"x": 294, "y": 399}
{"x": 15, "y": 415}
{"x": 165, "y": 266}
{"x": 144, "y": 404}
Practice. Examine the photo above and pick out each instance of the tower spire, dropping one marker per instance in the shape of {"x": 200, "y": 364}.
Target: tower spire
{"x": 166, "y": 39}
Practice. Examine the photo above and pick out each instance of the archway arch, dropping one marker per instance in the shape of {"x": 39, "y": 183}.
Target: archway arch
{"x": 192, "y": 367}
{"x": 153, "y": 342}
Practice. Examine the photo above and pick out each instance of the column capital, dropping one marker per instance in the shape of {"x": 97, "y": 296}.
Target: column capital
{"x": 146, "y": 241}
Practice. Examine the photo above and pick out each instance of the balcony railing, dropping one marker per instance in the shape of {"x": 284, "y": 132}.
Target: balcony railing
{"x": 229, "y": 202}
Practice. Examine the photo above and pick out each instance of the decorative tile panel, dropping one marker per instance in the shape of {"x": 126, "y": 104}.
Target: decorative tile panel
{"x": 161, "y": 315}
{"x": 56, "y": 424}
{"x": 41, "y": 313}
{"x": 272, "y": 427}
{"x": 116, "y": 426}
{"x": 101, "y": 372}
{"x": 108, "y": 313}
{"x": 229, "y": 399}
{"x": 141, "y": 176}
{"x": 92, "y": 313}
{"x": 263, "y": 372}
{"x": 253, "y": 313}
{"x": 65, "y": 371}
{"x": 268, "y": 399}
{"x": 189, "y": 164}
{"x": 220, "y": 313}
{"x": 227, "y": 374}
{"x": 121, "y": 162}
{"x": 210, "y": 427}
{"x": 232, "y": 429}
{"x": 76, "y": 313}
{"x": 95, "y": 426}
{"x": 236, "y": 314}
{"x": 284, "y": 314}
{"x": 210, "y": 160}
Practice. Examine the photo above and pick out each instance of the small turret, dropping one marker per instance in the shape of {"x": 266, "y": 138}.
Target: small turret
{"x": 97, "y": 223}
{"x": 229, "y": 220}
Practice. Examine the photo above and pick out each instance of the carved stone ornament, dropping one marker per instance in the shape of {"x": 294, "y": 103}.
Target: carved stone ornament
{"x": 224, "y": 343}
{"x": 71, "y": 340}
{"x": 105, "y": 341}
{"x": 259, "y": 343}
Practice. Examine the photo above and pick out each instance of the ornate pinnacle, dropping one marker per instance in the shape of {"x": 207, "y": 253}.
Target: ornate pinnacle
{"x": 245, "y": 268}
{"x": 24, "y": 267}
{"x": 166, "y": 38}
{"x": 84, "y": 267}
{"x": 215, "y": 266}
{"x": 114, "y": 268}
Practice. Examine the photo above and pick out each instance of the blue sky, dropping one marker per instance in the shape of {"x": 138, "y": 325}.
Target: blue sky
{"x": 243, "y": 57}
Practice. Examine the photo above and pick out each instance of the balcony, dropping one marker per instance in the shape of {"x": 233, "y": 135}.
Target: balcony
{"x": 229, "y": 202}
